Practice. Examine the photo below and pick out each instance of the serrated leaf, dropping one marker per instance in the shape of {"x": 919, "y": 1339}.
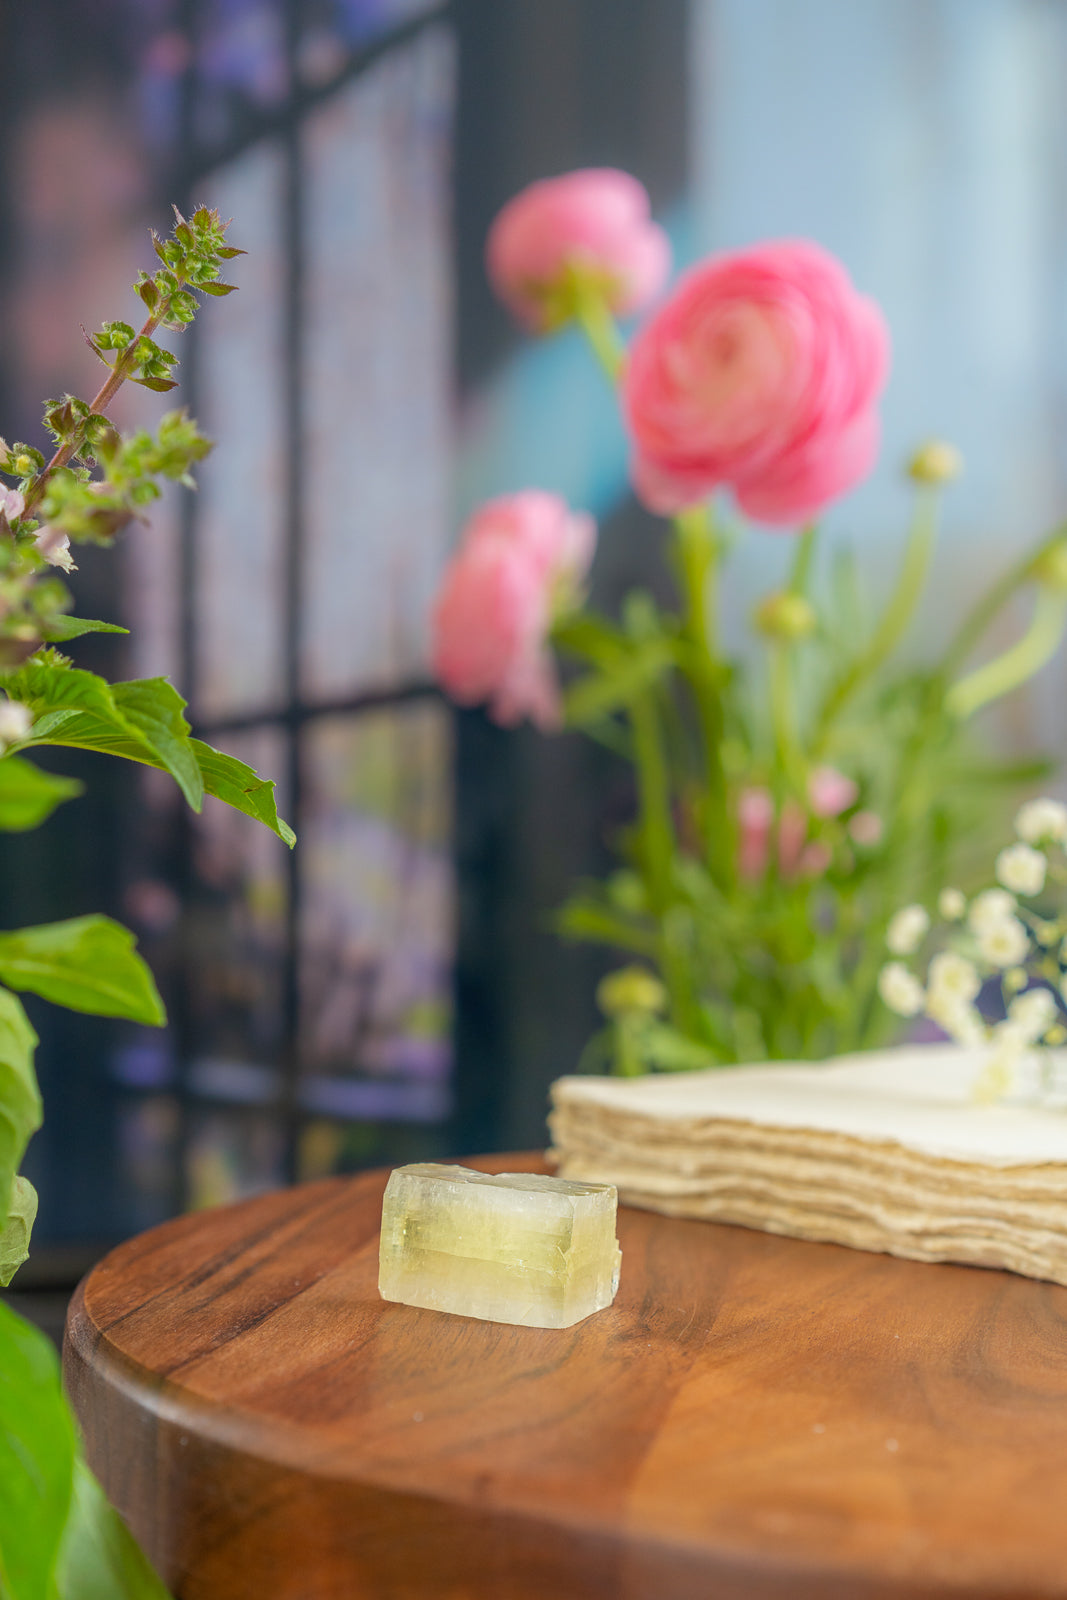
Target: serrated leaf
{"x": 141, "y": 720}
{"x": 84, "y": 963}
{"x": 28, "y": 796}
{"x": 20, "y": 1098}
{"x": 15, "y": 1232}
{"x": 228, "y": 251}
{"x": 37, "y": 1454}
{"x": 62, "y": 628}
{"x": 241, "y": 786}
{"x": 99, "y": 1558}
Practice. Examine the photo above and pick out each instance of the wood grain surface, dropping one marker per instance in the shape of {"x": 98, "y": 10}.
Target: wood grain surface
{"x": 754, "y": 1417}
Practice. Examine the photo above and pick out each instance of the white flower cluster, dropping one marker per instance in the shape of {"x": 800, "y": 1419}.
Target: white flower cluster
{"x": 992, "y": 937}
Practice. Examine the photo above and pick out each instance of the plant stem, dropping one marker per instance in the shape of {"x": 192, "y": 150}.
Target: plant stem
{"x": 656, "y": 825}
{"x": 697, "y": 556}
{"x": 998, "y": 677}
{"x": 600, "y": 328}
{"x": 973, "y": 627}
{"x": 788, "y": 756}
{"x": 896, "y": 617}
{"x": 803, "y": 556}
{"x": 103, "y": 397}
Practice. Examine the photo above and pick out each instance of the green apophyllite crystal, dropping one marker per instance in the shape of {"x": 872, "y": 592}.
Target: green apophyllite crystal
{"x": 513, "y": 1247}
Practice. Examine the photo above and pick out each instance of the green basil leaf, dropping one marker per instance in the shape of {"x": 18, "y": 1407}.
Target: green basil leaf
{"x": 37, "y": 1450}
{"x": 15, "y": 1232}
{"x": 86, "y": 964}
{"x": 20, "y": 1098}
{"x": 28, "y": 796}
{"x": 62, "y": 628}
{"x": 99, "y": 1558}
{"x": 241, "y": 786}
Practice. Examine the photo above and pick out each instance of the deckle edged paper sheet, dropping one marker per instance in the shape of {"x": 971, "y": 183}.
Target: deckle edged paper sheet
{"x": 885, "y": 1151}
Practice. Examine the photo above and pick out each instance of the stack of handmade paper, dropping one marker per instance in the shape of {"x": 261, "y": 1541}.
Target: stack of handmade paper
{"x": 884, "y": 1151}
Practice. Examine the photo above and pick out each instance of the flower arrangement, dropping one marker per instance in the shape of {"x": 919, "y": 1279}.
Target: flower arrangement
{"x": 58, "y": 1536}
{"x": 785, "y": 805}
{"x": 993, "y": 966}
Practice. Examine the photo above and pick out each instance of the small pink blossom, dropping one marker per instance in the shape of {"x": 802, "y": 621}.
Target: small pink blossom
{"x": 792, "y": 837}
{"x": 595, "y": 220}
{"x": 755, "y": 819}
{"x": 54, "y": 545}
{"x": 866, "y": 828}
{"x": 830, "y": 792}
{"x": 12, "y": 503}
{"x": 521, "y": 559}
{"x": 761, "y": 373}
{"x": 815, "y": 859}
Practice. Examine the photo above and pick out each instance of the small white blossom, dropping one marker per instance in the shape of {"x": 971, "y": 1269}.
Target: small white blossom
{"x": 1032, "y": 1014}
{"x": 1004, "y": 944}
{"x": 989, "y": 908}
{"x": 952, "y": 903}
{"x": 900, "y": 989}
{"x": 11, "y": 503}
{"x": 1042, "y": 819}
{"x": 958, "y": 1017}
{"x": 16, "y": 720}
{"x": 906, "y": 930}
{"x": 55, "y": 547}
{"x": 1022, "y": 869}
{"x": 952, "y": 976}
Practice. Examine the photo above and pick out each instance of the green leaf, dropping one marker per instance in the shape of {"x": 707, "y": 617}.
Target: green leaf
{"x": 241, "y": 786}
{"x": 216, "y": 288}
{"x": 37, "y": 1450}
{"x": 15, "y": 1232}
{"x": 20, "y": 1098}
{"x": 158, "y": 385}
{"x": 600, "y": 693}
{"x": 142, "y": 720}
{"x": 100, "y": 1559}
{"x": 62, "y": 628}
{"x": 28, "y": 795}
{"x": 86, "y": 964}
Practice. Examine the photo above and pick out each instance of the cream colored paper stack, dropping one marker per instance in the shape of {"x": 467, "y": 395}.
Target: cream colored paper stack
{"x": 883, "y": 1151}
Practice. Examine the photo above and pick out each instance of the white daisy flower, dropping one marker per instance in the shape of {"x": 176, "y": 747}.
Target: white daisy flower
{"x": 900, "y": 989}
{"x": 953, "y": 977}
{"x": 1004, "y": 944}
{"x": 1022, "y": 869}
{"x": 1032, "y": 1014}
{"x": 906, "y": 930}
{"x": 952, "y": 903}
{"x": 988, "y": 908}
{"x": 1042, "y": 819}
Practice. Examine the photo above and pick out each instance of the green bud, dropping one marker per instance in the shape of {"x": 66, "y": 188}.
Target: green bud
{"x": 630, "y": 989}
{"x": 785, "y": 616}
{"x": 935, "y": 462}
{"x": 1051, "y": 568}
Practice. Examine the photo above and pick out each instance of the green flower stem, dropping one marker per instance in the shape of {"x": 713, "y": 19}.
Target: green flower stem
{"x": 789, "y": 758}
{"x": 896, "y": 617}
{"x": 803, "y": 557}
{"x": 600, "y": 328}
{"x": 656, "y": 826}
{"x": 103, "y": 397}
{"x": 973, "y": 627}
{"x": 998, "y": 677}
{"x": 697, "y": 554}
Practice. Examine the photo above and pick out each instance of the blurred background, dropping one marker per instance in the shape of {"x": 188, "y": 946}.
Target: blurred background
{"x": 393, "y": 989}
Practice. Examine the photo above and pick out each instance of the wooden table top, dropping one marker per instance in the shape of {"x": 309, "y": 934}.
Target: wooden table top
{"x": 753, "y": 1417}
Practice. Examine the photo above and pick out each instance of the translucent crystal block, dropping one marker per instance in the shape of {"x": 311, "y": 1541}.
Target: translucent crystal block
{"x": 511, "y": 1247}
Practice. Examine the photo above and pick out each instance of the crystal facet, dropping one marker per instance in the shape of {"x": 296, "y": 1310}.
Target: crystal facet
{"x": 508, "y": 1247}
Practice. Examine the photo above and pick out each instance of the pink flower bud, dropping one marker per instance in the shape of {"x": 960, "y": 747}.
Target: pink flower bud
{"x": 761, "y": 373}
{"x": 594, "y": 222}
{"x": 830, "y": 792}
{"x": 792, "y": 836}
{"x": 866, "y": 828}
{"x": 755, "y": 818}
{"x": 520, "y": 560}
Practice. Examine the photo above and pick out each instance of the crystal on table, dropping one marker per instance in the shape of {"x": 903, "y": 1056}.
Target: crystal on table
{"x": 506, "y": 1247}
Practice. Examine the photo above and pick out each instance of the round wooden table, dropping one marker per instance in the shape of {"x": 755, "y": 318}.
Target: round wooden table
{"x": 753, "y": 1417}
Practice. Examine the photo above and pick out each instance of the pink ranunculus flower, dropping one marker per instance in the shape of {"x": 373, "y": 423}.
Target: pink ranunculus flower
{"x": 595, "y": 220}
{"x": 755, "y": 819}
{"x": 522, "y": 558}
{"x": 830, "y": 792}
{"x": 761, "y": 373}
